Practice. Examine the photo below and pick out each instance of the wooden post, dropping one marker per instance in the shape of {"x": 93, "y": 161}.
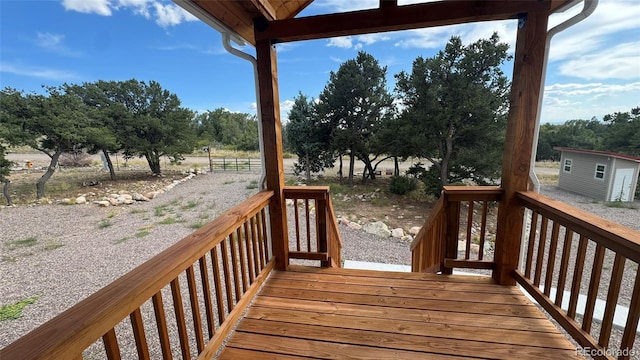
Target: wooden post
{"x": 321, "y": 229}
{"x": 272, "y": 139}
{"x": 452, "y": 232}
{"x": 525, "y": 92}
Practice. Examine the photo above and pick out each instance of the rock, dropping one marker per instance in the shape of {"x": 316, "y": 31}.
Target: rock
{"x": 139, "y": 197}
{"x": 103, "y": 203}
{"x": 354, "y": 225}
{"x": 397, "y": 233}
{"x": 150, "y": 195}
{"x": 126, "y": 196}
{"x": 475, "y": 248}
{"x": 128, "y": 201}
{"x": 407, "y": 238}
{"x": 114, "y": 196}
{"x": 81, "y": 200}
{"x": 343, "y": 221}
{"x": 114, "y": 202}
{"x": 462, "y": 245}
{"x": 377, "y": 228}
{"x": 414, "y": 230}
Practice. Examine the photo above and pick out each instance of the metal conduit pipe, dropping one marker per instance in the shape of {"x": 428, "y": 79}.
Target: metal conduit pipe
{"x": 589, "y": 6}
{"x": 226, "y": 42}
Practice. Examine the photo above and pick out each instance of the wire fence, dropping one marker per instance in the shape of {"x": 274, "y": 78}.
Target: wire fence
{"x": 235, "y": 164}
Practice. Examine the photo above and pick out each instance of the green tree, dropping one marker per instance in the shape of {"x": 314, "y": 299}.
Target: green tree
{"x": 454, "y": 110}
{"x": 52, "y": 124}
{"x": 106, "y": 113}
{"x": 220, "y": 127}
{"x": 157, "y": 125}
{"x": 5, "y": 168}
{"x": 580, "y": 134}
{"x": 308, "y": 137}
{"x": 356, "y": 103}
{"x": 623, "y": 132}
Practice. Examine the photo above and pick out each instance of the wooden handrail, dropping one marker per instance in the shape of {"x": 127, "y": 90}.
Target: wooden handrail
{"x": 68, "y": 334}
{"x": 543, "y": 244}
{"x": 616, "y": 237}
{"x": 438, "y": 237}
{"x": 328, "y": 242}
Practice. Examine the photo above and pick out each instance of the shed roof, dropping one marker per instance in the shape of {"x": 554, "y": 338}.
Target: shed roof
{"x": 601, "y": 153}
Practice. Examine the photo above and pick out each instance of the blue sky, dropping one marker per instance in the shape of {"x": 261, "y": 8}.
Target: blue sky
{"x": 594, "y": 67}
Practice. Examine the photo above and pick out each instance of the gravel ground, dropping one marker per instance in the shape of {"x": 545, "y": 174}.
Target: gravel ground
{"x": 99, "y": 255}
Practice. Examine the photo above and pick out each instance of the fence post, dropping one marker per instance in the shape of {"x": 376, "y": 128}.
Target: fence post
{"x": 237, "y": 168}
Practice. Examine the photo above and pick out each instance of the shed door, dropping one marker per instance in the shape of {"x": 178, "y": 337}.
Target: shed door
{"x": 622, "y": 182}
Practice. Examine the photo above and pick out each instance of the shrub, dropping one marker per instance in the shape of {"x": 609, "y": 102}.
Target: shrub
{"x": 402, "y": 184}
{"x": 75, "y": 159}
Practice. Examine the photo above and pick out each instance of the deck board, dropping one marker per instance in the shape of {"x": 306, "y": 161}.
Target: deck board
{"x": 354, "y": 314}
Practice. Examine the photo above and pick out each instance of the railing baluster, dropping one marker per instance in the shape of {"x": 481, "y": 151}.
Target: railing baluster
{"x": 629, "y": 336}
{"x": 138, "y": 333}
{"x": 577, "y": 276}
{"x": 246, "y": 241}
{"x": 217, "y": 284}
{"x": 227, "y": 278}
{"x": 551, "y": 259}
{"x": 260, "y": 237}
{"x": 612, "y": 299}
{"x": 257, "y": 263}
{"x": 180, "y": 321}
{"x": 467, "y": 249}
{"x": 195, "y": 308}
{"x": 234, "y": 242}
{"x": 594, "y": 285}
{"x": 308, "y": 221}
{"x": 265, "y": 236}
{"x": 564, "y": 264}
{"x": 483, "y": 228}
{"x": 111, "y": 345}
{"x": 244, "y": 258}
{"x": 161, "y": 323}
{"x": 206, "y": 291}
{"x": 297, "y": 218}
{"x": 541, "y": 246}
{"x": 531, "y": 245}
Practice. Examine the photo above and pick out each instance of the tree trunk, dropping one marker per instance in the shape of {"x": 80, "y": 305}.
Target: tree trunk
{"x": 47, "y": 174}
{"x": 5, "y": 191}
{"x": 396, "y": 166}
{"x": 352, "y": 161}
{"x": 154, "y": 162}
{"x": 307, "y": 167}
{"x": 112, "y": 172}
{"x": 340, "y": 169}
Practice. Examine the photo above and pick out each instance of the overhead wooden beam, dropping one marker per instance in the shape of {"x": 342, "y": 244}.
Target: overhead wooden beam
{"x": 388, "y": 3}
{"x": 264, "y": 7}
{"x": 393, "y": 18}
{"x": 526, "y": 89}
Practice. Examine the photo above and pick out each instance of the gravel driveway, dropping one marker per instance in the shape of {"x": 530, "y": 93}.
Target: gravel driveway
{"x": 72, "y": 252}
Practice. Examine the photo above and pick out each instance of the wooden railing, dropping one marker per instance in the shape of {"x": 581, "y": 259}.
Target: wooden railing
{"x": 566, "y": 246}
{"x": 435, "y": 248}
{"x": 314, "y": 225}
{"x": 218, "y": 268}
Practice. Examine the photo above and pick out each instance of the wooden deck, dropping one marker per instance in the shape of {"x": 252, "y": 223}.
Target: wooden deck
{"x": 332, "y": 313}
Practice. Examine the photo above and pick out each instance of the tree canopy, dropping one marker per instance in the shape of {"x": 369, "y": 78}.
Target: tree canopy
{"x": 454, "y": 108}
{"x": 356, "y": 103}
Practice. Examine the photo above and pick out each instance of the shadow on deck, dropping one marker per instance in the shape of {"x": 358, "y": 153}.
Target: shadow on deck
{"x": 334, "y": 313}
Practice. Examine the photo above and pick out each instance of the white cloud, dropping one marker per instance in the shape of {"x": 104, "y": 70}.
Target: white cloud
{"x": 285, "y": 108}
{"x": 345, "y": 42}
{"x": 619, "y": 62}
{"x": 164, "y": 14}
{"x": 373, "y": 38}
{"x": 38, "y": 72}
{"x": 54, "y": 43}
{"x": 569, "y": 101}
{"x": 344, "y": 6}
{"x": 171, "y": 14}
{"x": 335, "y": 59}
{"x": 100, "y": 7}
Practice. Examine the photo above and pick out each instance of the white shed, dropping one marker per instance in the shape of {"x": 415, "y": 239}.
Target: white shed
{"x": 601, "y": 175}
